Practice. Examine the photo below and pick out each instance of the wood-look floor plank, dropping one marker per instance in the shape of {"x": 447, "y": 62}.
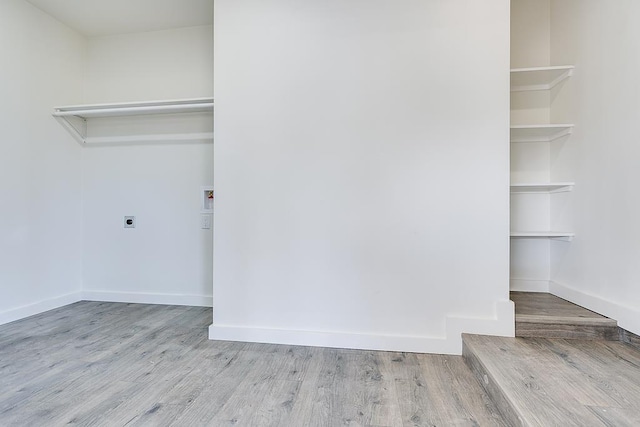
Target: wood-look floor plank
{"x": 630, "y": 338}
{"x": 93, "y": 410}
{"x": 351, "y": 390}
{"x": 462, "y": 403}
{"x": 441, "y": 391}
{"x": 146, "y": 407}
{"x": 277, "y": 405}
{"x": 305, "y": 407}
{"x": 545, "y": 304}
{"x": 319, "y": 404}
{"x": 253, "y": 385}
{"x": 617, "y": 417}
{"x": 411, "y": 390}
{"x": 547, "y": 316}
{"x": 331, "y": 394}
{"x": 221, "y": 382}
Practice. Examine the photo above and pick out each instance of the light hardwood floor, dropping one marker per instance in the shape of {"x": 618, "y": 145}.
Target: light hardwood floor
{"x": 545, "y": 304}
{"x": 109, "y": 364}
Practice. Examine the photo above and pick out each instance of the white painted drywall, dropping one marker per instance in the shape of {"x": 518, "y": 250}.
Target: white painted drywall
{"x": 530, "y": 47}
{"x": 167, "y": 258}
{"x": 361, "y": 167}
{"x": 101, "y": 18}
{"x": 169, "y": 64}
{"x": 600, "y": 268}
{"x": 40, "y": 196}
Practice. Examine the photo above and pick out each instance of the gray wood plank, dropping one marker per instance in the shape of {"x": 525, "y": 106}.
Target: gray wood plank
{"x": 277, "y": 405}
{"x": 305, "y": 409}
{"x": 440, "y": 391}
{"x": 540, "y": 303}
{"x": 463, "y": 402}
{"x": 617, "y": 417}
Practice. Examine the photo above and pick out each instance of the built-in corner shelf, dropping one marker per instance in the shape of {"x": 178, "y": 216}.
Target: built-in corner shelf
{"x": 546, "y": 188}
{"x": 556, "y": 235}
{"x": 540, "y": 133}
{"x": 539, "y": 78}
{"x": 79, "y": 114}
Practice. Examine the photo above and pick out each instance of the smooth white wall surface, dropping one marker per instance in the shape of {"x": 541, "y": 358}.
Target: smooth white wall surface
{"x": 167, "y": 258}
{"x": 530, "y": 47}
{"x": 361, "y": 167}
{"x": 169, "y": 64}
{"x": 599, "y": 269}
{"x": 40, "y": 172}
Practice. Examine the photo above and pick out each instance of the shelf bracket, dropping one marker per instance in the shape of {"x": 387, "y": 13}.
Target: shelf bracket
{"x": 75, "y": 119}
{"x": 563, "y": 239}
{"x": 568, "y": 73}
{"x": 78, "y": 134}
{"x": 562, "y": 133}
{"x": 565, "y": 189}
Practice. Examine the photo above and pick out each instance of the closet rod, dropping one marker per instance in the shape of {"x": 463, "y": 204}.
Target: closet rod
{"x": 141, "y": 109}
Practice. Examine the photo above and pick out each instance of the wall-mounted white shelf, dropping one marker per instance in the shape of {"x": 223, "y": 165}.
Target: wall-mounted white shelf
{"x": 556, "y": 235}
{"x": 136, "y": 108}
{"x": 550, "y": 187}
{"x": 539, "y": 78}
{"x": 540, "y": 133}
{"x": 74, "y": 118}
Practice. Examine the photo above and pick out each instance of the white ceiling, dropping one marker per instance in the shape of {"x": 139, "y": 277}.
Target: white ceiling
{"x": 108, "y": 17}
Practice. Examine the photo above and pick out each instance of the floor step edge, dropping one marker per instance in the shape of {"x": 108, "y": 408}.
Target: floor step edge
{"x": 507, "y": 408}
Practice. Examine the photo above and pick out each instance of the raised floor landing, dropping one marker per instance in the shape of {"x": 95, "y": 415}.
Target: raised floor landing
{"x": 548, "y": 316}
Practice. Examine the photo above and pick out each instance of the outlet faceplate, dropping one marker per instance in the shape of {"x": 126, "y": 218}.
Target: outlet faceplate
{"x": 205, "y": 221}
{"x": 129, "y": 222}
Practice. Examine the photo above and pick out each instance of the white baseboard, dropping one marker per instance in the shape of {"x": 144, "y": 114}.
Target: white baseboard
{"x": 149, "y": 298}
{"x": 628, "y": 317}
{"x": 501, "y": 324}
{"x": 528, "y": 285}
{"x": 18, "y": 313}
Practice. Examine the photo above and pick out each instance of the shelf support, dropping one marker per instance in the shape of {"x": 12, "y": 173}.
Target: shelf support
{"x": 563, "y": 131}
{"x": 78, "y": 135}
{"x": 568, "y": 73}
{"x": 561, "y": 73}
{"x": 563, "y": 239}
{"x": 566, "y": 189}
{"x": 80, "y": 114}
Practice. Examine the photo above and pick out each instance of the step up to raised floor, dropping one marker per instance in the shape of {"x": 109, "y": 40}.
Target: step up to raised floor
{"x": 547, "y": 316}
{"x": 558, "y": 382}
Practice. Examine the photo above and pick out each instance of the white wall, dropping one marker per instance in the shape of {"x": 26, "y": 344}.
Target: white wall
{"x": 168, "y": 257}
{"x": 169, "y": 64}
{"x": 600, "y": 268}
{"x": 40, "y": 194}
{"x": 361, "y": 172}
